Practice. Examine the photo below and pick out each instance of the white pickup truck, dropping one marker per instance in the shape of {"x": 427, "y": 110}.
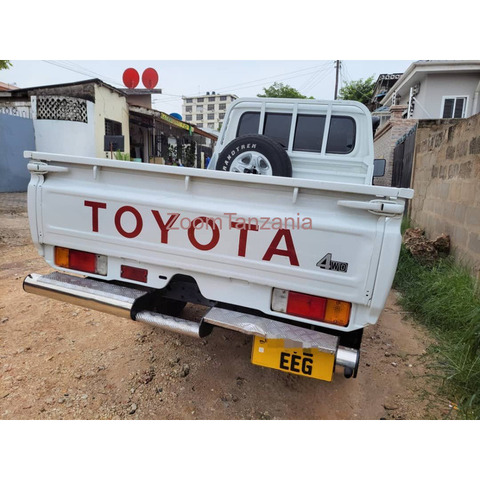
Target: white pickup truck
{"x": 283, "y": 237}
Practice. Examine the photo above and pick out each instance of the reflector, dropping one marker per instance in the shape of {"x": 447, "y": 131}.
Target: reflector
{"x": 134, "y": 273}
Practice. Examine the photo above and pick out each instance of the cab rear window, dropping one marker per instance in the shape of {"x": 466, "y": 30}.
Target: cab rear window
{"x": 341, "y": 136}
{"x": 248, "y": 124}
{"x": 309, "y": 131}
{"x": 276, "y": 126}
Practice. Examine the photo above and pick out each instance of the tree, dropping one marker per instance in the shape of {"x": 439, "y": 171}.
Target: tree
{"x": 279, "y": 90}
{"x": 5, "y": 64}
{"x": 359, "y": 90}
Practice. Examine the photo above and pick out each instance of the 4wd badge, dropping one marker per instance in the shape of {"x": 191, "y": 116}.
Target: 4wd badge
{"x": 326, "y": 263}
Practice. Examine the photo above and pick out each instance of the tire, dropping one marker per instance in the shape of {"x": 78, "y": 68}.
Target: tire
{"x": 255, "y": 154}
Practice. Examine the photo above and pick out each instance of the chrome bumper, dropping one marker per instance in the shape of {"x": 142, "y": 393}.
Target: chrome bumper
{"x": 119, "y": 300}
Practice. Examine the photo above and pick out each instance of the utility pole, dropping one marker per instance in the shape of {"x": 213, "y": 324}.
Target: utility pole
{"x": 337, "y": 67}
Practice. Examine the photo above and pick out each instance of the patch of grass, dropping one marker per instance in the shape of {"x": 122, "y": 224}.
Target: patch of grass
{"x": 443, "y": 297}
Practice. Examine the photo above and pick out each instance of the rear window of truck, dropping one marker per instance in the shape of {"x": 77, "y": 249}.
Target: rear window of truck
{"x": 309, "y": 134}
{"x": 309, "y": 131}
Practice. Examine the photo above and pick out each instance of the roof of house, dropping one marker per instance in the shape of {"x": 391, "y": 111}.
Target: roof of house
{"x": 5, "y": 87}
{"x": 22, "y": 91}
{"x": 417, "y": 71}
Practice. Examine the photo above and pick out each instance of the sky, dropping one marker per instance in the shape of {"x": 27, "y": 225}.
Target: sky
{"x": 179, "y": 78}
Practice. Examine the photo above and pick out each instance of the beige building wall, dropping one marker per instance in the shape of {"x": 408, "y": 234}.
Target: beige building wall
{"x": 446, "y": 180}
{"x": 111, "y": 105}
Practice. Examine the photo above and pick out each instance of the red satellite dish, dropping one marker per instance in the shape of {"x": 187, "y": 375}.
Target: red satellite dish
{"x": 150, "y": 78}
{"x": 131, "y": 78}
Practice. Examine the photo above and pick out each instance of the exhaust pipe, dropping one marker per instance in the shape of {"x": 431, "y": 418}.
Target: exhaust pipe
{"x": 348, "y": 358}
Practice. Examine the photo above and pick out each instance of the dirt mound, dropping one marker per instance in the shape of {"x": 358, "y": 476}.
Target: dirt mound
{"x": 424, "y": 250}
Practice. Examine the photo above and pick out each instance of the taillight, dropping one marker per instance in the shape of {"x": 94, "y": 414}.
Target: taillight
{"x": 82, "y": 261}
{"x": 312, "y": 307}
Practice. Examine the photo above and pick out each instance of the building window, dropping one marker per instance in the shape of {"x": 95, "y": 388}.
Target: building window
{"x": 200, "y": 125}
{"x": 210, "y": 116}
{"x": 211, "y": 107}
{"x": 222, "y": 106}
{"x": 188, "y": 109}
{"x": 454, "y": 107}
{"x": 199, "y": 109}
{"x": 223, "y": 98}
{"x": 200, "y": 100}
{"x": 112, "y": 127}
{"x": 188, "y": 118}
{"x": 211, "y": 99}
{"x": 199, "y": 117}
{"x": 189, "y": 100}
{"x": 221, "y": 116}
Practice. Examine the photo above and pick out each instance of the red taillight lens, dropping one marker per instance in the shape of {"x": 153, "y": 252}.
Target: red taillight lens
{"x": 82, "y": 261}
{"x": 306, "y": 306}
{"x": 312, "y": 307}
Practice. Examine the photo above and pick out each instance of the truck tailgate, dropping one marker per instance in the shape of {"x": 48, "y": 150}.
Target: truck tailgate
{"x": 237, "y": 235}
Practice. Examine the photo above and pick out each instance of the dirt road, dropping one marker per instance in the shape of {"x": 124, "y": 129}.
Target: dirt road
{"x": 59, "y": 361}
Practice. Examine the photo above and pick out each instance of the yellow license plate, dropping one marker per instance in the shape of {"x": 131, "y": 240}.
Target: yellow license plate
{"x": 308, "y": 362}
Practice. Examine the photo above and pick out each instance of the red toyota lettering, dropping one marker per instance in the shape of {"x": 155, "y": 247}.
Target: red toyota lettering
{"x": 289, "y": 252}
{"x": 165, "y": 227}
{"x": 118, "y": 217}
{"x": 242, "y": 241}
{"x": 215, "y": 233}
{"x": 95, "y": 206}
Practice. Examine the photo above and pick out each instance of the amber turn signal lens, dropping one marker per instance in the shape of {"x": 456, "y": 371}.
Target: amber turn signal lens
{"x": 337, "y": 312}
{"x": 62, "y": 257}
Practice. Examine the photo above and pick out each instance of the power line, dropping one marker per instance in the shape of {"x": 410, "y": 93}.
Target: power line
{"x": 81, "y": 70}
{"x": 315, "y": 77}
{"x": 274, "y": 77}
{"x": 318, "y": 81}
{"x": 248, "y": 86}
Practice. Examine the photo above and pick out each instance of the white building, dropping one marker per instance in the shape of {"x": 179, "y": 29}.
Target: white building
{"x": 436, "y": 89}
{"x": 206, "y": 111}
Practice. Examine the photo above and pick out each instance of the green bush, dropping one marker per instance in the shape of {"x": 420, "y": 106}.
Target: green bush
{"x": 445, "y": 299}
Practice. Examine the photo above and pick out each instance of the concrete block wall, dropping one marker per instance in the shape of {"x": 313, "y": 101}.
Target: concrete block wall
{"x": 446, "y": 180}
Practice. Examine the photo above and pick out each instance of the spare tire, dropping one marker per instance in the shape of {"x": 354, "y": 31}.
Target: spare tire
{"x": 255, "y": 154}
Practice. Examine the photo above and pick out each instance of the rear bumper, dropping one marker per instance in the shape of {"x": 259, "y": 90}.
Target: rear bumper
{"x": 119, "y": 300}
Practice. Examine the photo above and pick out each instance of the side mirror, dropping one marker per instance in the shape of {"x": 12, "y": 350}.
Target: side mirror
{"x": 379, "y": 165}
